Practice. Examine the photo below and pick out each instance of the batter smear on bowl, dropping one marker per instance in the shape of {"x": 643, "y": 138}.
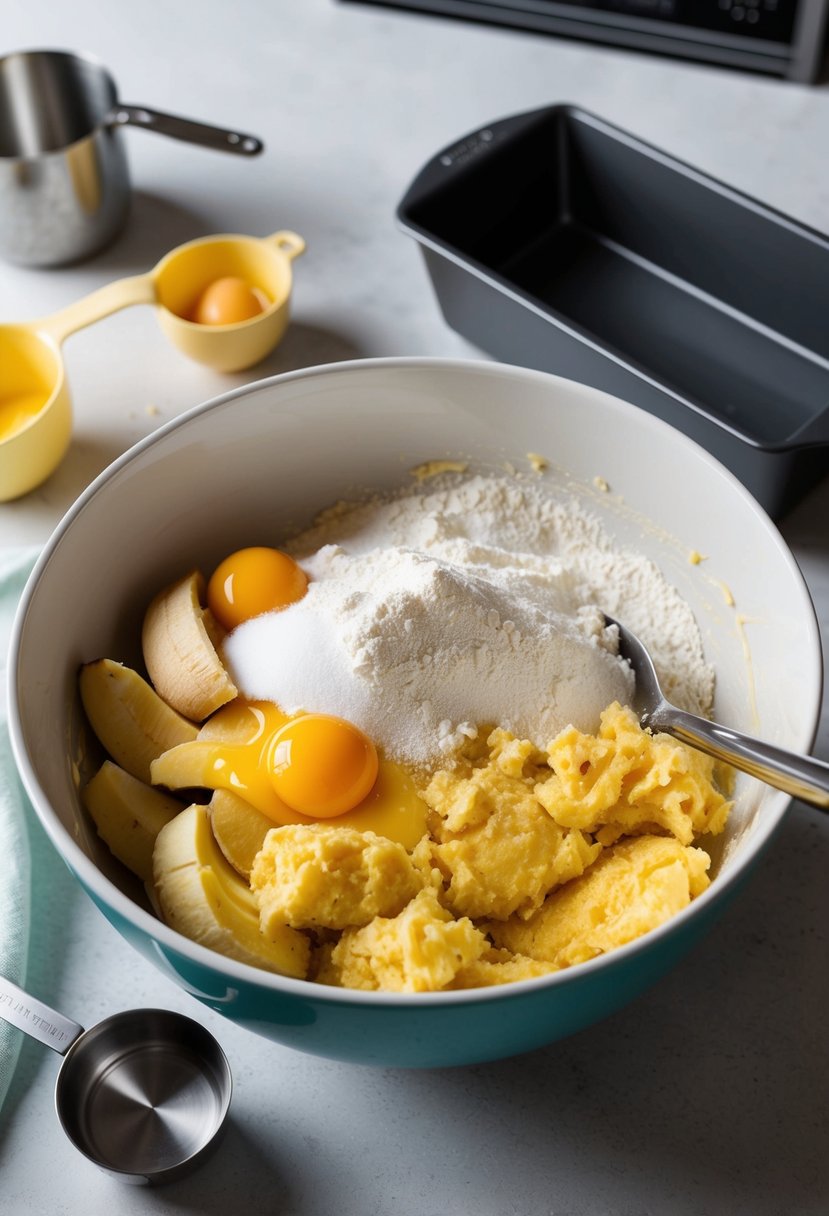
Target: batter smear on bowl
{"x": 423, "y": 775}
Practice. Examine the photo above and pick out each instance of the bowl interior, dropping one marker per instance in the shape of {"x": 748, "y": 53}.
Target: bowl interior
{"x": 262, "y": 461}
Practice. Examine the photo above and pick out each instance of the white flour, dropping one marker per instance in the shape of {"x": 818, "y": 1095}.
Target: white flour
{"x": 476, "y": 604}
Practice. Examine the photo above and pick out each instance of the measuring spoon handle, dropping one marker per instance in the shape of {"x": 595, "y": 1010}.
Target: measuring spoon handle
{"x": 187, "y": 129}
{"x": 36, "y": 1019}
{"x": 122, "y": 293}
{"x": 803, "y": 777}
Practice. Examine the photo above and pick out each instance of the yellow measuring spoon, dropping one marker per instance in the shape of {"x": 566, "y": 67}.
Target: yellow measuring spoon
{"x": 35, "y": 406}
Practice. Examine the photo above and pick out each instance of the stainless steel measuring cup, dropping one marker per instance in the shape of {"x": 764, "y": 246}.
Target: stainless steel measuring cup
{"x": 64, "y": 178}
{"x": 143, "y": 1094}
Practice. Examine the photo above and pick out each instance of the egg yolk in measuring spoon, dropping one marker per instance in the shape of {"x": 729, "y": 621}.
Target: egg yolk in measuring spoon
{"x": 228, "y": 301}
{"x": 252, "y": 581}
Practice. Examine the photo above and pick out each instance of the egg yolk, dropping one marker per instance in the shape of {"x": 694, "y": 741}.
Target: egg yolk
{"x": 252, "y": 581}
{"x": 228, "y": 301}
{"x": 321, "y": 765}
{"x": 235, "y": 750}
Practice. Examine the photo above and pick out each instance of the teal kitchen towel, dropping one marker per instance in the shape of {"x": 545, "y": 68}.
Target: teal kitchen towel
{"x": 15, "y": 567}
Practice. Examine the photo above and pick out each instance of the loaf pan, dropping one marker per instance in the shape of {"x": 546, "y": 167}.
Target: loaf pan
{"x": 560, "y": 242}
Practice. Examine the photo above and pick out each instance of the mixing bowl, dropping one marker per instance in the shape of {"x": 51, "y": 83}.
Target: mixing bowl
{"x": 260, "y": 461}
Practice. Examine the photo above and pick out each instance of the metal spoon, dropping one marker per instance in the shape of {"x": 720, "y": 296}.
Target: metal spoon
{"x": 143, "y": 1094}
{"x": 803, "y": 777}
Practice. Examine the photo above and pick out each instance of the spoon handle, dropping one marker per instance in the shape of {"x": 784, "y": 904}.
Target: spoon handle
{"x": 34, "y": 1018}
{"x": 803, "y": 777}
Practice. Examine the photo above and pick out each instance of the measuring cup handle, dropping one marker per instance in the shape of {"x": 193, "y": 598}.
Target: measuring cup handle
{"x": 290, "y": 243}
{"x": 187, "y": 129}
{"x": 137, "y": 289}
{"x": 36, "y": 1019}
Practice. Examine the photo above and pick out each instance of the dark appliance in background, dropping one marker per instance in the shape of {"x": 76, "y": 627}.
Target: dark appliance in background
{"x": 781, "y": 37}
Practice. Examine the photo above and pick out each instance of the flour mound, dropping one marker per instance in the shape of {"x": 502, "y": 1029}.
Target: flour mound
{"x": 433, "y": 614}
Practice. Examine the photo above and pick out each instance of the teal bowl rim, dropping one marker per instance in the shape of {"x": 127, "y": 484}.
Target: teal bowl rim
{"x": 85, "y": 870}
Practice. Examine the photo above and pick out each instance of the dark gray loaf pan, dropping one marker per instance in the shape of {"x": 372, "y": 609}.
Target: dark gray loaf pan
{"x": 557, "y": 241}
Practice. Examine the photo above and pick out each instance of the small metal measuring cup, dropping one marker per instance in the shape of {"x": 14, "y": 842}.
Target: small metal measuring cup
{"x": 144, "y": 1094}
{"x": 64, "y": 180}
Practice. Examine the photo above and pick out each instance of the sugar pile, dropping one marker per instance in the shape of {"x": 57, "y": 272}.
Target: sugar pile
{"x": 434, "y": 613}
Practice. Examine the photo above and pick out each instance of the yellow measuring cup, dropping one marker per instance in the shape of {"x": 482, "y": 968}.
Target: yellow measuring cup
{"x": 35, "y": 406}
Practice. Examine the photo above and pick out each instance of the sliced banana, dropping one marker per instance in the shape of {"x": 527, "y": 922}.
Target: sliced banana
{"x": 202, "y": 897}
{"x": 130, "y": 719}
{"x": 187, "y": 766}
{"x": 239, "y": 829}
{"x": 128, "y": 815}
{"x": 241, "y": 722}
{"x": 179, "y": 640}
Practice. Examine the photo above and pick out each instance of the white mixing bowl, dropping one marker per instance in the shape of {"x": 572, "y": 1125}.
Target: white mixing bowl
{"x": 262, "y": 460}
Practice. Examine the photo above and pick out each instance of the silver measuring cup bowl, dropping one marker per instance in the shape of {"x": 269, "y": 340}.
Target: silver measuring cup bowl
{"x": 64, "y": 177}
{"x": 64, "y": 180}
{"x": 144, "y": 1095}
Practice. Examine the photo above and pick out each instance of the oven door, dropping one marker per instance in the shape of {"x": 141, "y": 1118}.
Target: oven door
{"x": 782, "y": 37}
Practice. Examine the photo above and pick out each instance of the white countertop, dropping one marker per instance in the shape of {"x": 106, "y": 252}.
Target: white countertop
{"x": 709, "y": 1094}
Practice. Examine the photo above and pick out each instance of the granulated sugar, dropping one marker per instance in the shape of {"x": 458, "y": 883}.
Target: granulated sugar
{"x": 432, "y": 613}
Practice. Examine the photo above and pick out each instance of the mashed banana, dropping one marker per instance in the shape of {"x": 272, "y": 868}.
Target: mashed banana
{"x": 315, "y": 876}
{"x": 534, "y": 861}
{"x": 625, "y": 781}
{"x": 421, "y": 950}
{"x": 634, "y": 887}
{"x": 498, "y": 851}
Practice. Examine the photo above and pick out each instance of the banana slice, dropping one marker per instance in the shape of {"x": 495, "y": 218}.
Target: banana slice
{"x": 239, "y": 829}
{"x": 179, "y": 640}
{"x": 128, "y": 815}
{"x": 241, "y": 722}
{"x": 184, "y": 768}
{"x": 129, "y": 717}
{"x": 202, "y": 897}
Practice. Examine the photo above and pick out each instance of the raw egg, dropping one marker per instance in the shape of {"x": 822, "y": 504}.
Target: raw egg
{"x": 236, "y": 749}
{"x": 252, "y": 581}
{"x": 322, "y": 765}
{"x": 227, "y": 301}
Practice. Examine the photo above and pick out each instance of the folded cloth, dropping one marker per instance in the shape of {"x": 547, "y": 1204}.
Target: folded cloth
{"x": 15, "y": 567}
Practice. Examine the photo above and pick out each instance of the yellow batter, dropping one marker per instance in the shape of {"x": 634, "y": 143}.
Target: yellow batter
{"x": 532, "y": 862}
